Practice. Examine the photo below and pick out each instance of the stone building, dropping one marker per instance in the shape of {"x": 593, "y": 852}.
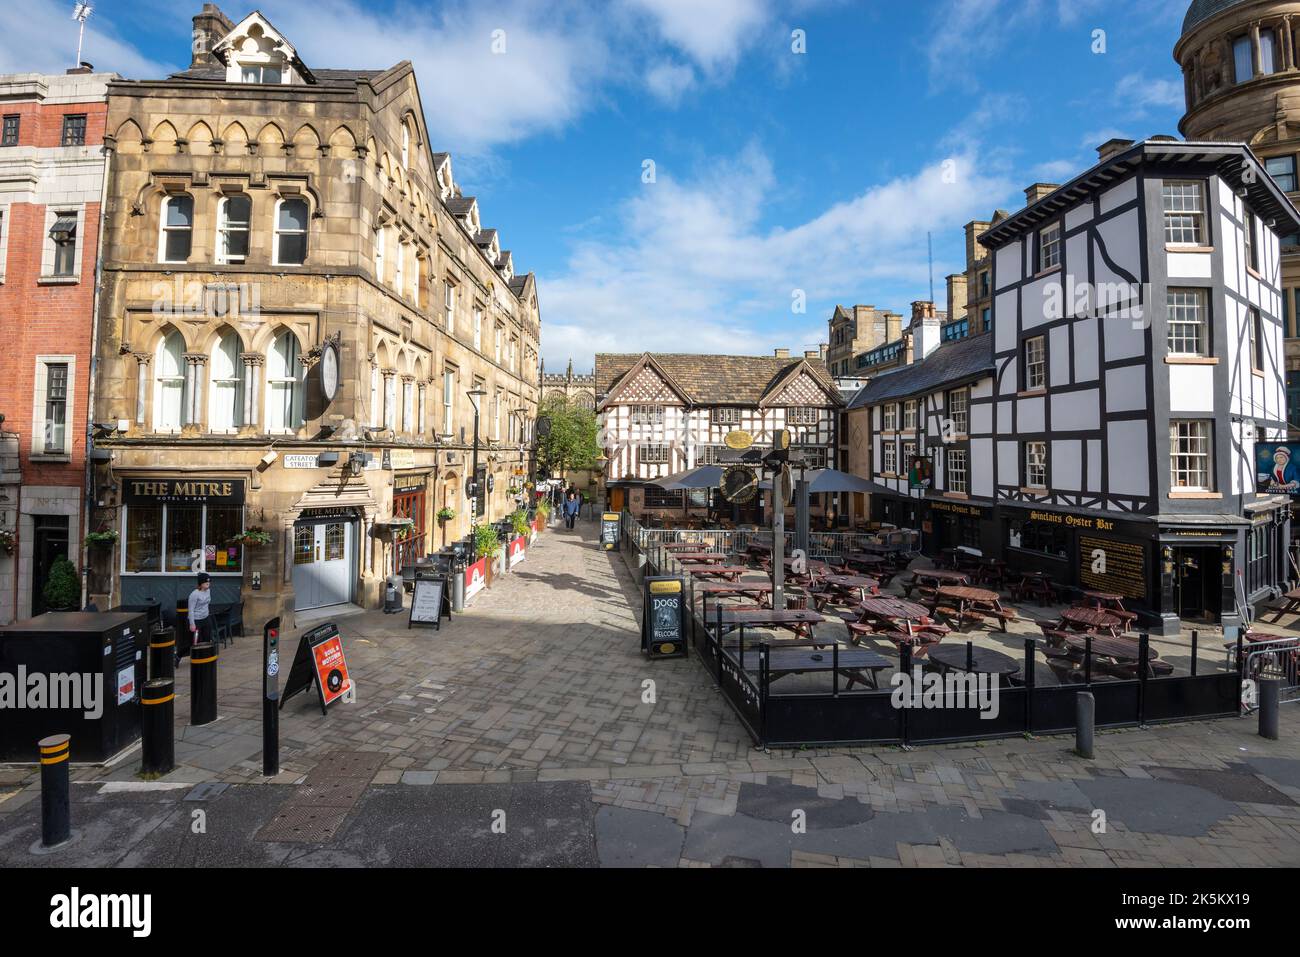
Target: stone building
{"x": 300, "y": 314}
{"x": 52, "y": 174}
{"x": 576, "y": 387}
{"x": 858, "y": 331}
{"x": 1241, "y": 75}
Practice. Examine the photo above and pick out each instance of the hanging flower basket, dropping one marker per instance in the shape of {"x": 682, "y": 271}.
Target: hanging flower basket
{"x": 253, "y": 537}
{"x": 106, "y": 536}
{"x": 446, "y": 514}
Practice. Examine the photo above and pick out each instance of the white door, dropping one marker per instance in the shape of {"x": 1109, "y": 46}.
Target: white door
{"x": 323, "y": 562}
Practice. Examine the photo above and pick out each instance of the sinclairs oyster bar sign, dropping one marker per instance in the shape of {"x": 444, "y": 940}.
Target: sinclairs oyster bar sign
{"x": 152, "y": 491}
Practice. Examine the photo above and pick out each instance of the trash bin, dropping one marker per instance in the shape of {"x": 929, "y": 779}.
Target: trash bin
{"x": 75, "y": 673}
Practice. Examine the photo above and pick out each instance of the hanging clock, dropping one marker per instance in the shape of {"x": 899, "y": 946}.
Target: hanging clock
{"x": 329, "y": 370}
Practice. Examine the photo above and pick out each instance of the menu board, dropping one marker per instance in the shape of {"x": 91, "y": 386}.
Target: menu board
{"x": 663, "y": 619}
{"x": 427, "y": 604}
{"x": 611, "y": 525}
{"x": 1124, "y": 563}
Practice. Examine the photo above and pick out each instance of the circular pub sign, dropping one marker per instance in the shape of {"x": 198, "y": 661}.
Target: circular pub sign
{"x": 739, "y": 485}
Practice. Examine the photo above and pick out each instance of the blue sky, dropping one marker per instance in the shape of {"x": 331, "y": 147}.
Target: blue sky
{"x": 775, "y": 172}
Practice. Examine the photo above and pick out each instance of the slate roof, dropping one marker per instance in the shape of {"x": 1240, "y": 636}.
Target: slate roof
{"x": 460, "y": 205}
{"x": 952, "y": 362}
{"x": 1202, "y": 10}
{"x": 712, "y": 380}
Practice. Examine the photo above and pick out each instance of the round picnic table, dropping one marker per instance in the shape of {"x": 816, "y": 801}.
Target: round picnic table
{"x": 1092, "y": 619}
{"x": 937, "y": 577}
{"x": 972, "y": 660}
{"x": 973, "y": 604}
{"x": 701, "y": 558}
{"x": 865, "y": 558}
{"x": 854, "y": 587}
{"x": 894, "y": 609}
{"x": 1033, "y": 584}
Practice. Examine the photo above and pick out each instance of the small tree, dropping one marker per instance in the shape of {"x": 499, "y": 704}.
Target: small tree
{"x": 571, "y": 443}
{"x": 62, "y": 590}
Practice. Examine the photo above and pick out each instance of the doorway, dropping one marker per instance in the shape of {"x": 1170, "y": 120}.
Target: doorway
{"x": 49, "y": 544}
{"x": 1199, "y": 583}
{"x": 616, "y": 499}
{"x": 324, "y": 557}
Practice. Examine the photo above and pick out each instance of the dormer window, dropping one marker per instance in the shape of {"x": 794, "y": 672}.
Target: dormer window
{"x": 253, "y": 73}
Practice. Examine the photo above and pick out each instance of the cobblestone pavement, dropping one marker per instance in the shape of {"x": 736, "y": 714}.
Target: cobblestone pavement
{"x": 529, "y": 708}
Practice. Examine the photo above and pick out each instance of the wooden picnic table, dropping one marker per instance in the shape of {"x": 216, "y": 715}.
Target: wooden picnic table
{"x": 1092, "y": 620}
{"x": 970, "y": 659}
{"x": 973, "y": 605}
{"x": 990, "y": 571}
{"x": 865, "y": 558}
{"x": 1033, "y": 584}
{"x": 684, "y": 546}
{"x": 755, "y": 589}
{"x": 925, "y": 578}
{"x": 902, "y": 622}
{"x": 801, "y": 622}
{"x": 859, "y": 665}
{"x": 1108, "y": 602}
{"x": 1290, "y": 605}
{"x": 729, "y": 572}
{"x": 701, "y": 558}
{"x": 1114, "y": 655}
{"x": 958, "y": 559}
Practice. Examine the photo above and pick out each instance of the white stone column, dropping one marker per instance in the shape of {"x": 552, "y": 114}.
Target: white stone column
{"x": 253, "y": 363}
{"x": 195, "y": 372}
{"x": 142, "y": 386}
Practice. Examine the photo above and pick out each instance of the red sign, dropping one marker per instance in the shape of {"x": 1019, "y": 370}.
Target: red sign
{"x": 476, "y": 577}
{"x": 331, "y": 669}
{"x": 518, "y": 550}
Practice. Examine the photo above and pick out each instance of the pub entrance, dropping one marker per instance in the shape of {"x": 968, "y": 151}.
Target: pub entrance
{"x": 1198, "y": 583}
{"x": 324, "y": 558}
{"x": 49, "y": 544}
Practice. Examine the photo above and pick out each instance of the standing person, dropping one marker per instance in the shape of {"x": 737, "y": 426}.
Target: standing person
{"x": 571, "y": 506}
{"x": 200, "y": 605}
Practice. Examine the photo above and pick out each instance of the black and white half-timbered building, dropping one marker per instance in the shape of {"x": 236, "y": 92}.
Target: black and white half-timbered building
{"x": 660, "y": 414}
{"x": 1136, "y": 359}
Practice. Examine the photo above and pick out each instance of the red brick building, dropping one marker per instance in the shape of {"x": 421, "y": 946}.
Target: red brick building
{"x": 52, "y": 174}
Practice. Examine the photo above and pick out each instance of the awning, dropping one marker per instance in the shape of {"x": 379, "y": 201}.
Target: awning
{"x": 65, "y": 227}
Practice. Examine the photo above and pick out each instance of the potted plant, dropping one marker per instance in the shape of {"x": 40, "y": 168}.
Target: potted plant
{"x": 62, "y": 589}
{"x": 105, "y": 536}
{"x": 519, "y": 523}
{"x": 254, "y": 536}
{"x": 544, "y": 513}
{"x": 7, "y": 540}
{"x": 486, "y": 545}
{"x": 446, "y": 514}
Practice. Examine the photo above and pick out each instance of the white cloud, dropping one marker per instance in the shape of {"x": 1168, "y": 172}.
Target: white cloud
{"x": 697, "y": 269}
{"x": 43, "y": 39}
{"x": 1057, "y": 171}
{"x": 1139, "y": 93}
{"x": 711, "y": 34}
{"x": 669, "y": 81}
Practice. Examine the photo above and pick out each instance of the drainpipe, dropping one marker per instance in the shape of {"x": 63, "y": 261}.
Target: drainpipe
{"x": 18, "y": 524}
{"x": 89, "y": 484}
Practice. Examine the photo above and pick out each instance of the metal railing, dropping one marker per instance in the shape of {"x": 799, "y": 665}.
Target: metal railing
{"x": 820, "y": 544}
{"x": 1276, "y": 658}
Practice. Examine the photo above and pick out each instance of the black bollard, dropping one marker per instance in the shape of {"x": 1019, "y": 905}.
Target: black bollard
{"x": 271, "y": 698}
{"x": 1270, "y": 705}
{"x": 203, "y": 683}
{"x": 162, "y": 653}
{"x": 157, "y": 726}
{"x": 56, "y": 811}
{"x": 1085, "y": 716}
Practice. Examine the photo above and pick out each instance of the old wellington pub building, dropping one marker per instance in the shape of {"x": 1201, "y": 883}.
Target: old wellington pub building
{"x": 1105, "y": 429}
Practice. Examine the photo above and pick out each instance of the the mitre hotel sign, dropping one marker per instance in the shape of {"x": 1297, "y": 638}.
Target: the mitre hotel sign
{"x": 197, "y": 491}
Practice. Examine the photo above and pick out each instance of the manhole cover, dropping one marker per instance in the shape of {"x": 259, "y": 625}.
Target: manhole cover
{"x": 303, "y": 825}
{"x": 347, "y": 764}
{"x": 332, "y": 792}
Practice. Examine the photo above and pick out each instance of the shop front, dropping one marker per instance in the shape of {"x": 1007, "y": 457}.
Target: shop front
{"x": 410, "y": 501}
{"x": 959, "y": 524}
{"x": 172, "y": 528}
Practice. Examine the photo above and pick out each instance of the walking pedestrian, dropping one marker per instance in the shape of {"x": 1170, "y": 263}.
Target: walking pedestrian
{"x": 572, "y": 504}
{"x": 200, "y": 610}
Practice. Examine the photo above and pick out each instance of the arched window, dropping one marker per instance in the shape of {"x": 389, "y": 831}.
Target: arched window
{"x": 226, "y": 403}
{"x": 169, "y": 384}
{"x": 290, "y": 232}
{"x": 233, "y": 216}
{"x": 176, "y": 236}
{"x": 406, "y": 146}
{"x": 283, "y": 385}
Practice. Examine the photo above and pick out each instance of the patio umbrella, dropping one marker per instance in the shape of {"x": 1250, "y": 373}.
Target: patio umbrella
{"x": 705, "y": 476}
{"x": 830, "y": 481}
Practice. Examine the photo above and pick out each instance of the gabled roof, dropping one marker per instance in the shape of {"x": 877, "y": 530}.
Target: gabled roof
{"x": 708, "y": 380}
{"x": 950, "y": 364}
{"x": 628, "y": 376}
{"x": 460, "y": 205}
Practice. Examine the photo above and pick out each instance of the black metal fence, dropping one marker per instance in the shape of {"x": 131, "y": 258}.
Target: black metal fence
{"x": 839, "y": 714}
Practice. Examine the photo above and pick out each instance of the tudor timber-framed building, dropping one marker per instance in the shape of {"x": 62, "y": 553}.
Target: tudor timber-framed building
{"x": 660, "y": 414}
{"x": 1138, "y": 358}
{"x": 262, "y": 216}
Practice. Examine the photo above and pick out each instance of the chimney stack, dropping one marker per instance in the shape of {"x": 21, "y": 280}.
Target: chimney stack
{"x": 1112, "y": 148}
{"x": 782, "y": 353}
{"x": 1039, "y": 190}
{"x": 925, "y": 330}
{"x": 83, "y": 68}
{"x": 823, "y": 351}
{"x": 893, "y": 327}
{"x": 812, "y": 355}
{"x": 210, "y": 25}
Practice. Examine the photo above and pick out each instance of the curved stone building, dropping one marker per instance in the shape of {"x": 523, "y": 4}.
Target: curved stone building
{"x": 1241, "y": 74}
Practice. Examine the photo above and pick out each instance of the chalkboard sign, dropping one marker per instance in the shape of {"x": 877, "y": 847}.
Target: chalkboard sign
{"x": 428, "y": 603}
{"x": 663, "y": 618}
{"x": 611, "y": 527}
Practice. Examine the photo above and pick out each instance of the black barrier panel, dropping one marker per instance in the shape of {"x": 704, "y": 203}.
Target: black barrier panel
{"x": 1117, "y": 703}
{"x": 1205, "y": 696}
{"x": 706, "y": 649}
{"x": 1053, "y": 708}
{"x": 870, "y": 718}
{"x": 964, "y": 721}
{"x": 740, "y": 690}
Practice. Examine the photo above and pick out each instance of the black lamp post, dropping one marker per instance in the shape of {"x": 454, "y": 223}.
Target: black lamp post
{"x": 475, "y": 396}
